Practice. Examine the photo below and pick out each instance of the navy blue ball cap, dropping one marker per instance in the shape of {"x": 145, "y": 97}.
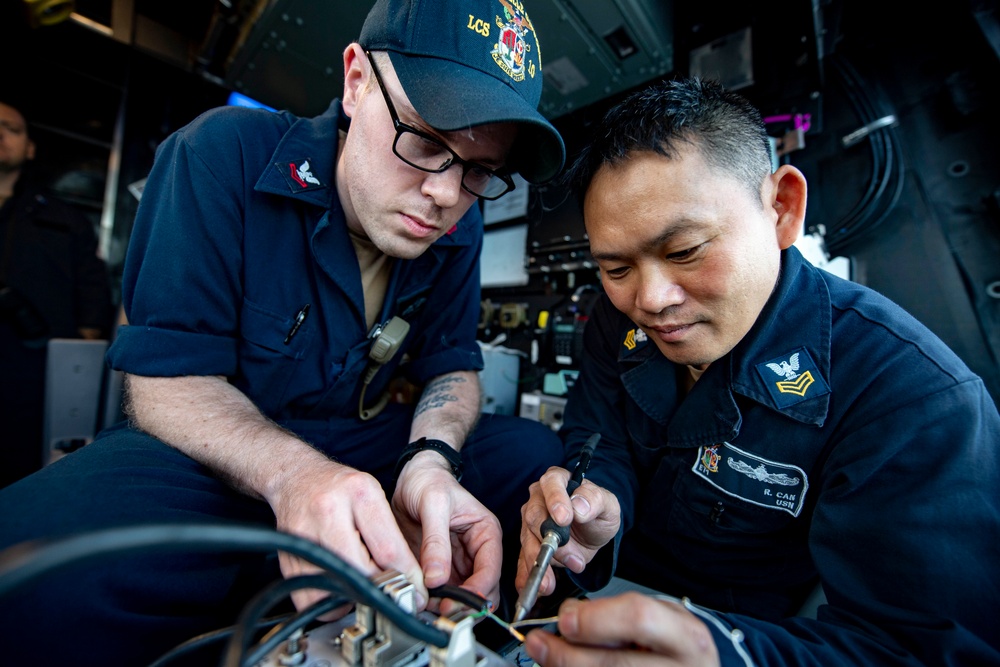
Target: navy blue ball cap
{"x": 464, "y": 63}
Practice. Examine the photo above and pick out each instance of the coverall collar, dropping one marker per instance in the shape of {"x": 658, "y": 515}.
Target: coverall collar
{"x": 782, "y": 364}
{"x": 304, "y": 167}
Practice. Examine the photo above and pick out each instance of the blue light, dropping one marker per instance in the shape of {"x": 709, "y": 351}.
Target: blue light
{"x": 241, "y": 100}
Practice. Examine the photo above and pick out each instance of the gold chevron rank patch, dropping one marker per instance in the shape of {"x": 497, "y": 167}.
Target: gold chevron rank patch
{"x": 799, "y": 386}
{"x": 635, "y": 339}
{"x": 792, "y": 378}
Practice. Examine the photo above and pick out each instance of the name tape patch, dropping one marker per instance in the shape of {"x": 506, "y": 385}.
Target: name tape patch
{"x": 770, "y": 484}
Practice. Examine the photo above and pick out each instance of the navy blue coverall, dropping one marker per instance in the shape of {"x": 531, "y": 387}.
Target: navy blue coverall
{"x": 239, "y": 228}
{"x": 839, "y": 442}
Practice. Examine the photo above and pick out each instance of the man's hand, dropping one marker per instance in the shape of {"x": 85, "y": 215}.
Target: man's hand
{"x": 595, "y": 515}
{"x": 346, "y": 511}
{"x": 458, "y": 539}
{"x": 338, "y": 507}
{"x": 627, "y": 629}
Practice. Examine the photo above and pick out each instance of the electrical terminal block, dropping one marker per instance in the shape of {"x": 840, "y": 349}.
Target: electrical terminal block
{"x": 513, "y": 315}
{"x": 461, "y": 649}
{"x": 390, "y": 645}
{"x": 367, "y": 638}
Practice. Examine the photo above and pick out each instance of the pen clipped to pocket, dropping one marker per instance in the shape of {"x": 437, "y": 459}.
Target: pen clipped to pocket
{"x": 300, "y": 317}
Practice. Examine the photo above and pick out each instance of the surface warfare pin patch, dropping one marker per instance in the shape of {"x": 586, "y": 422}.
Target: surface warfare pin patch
{"x": 792, "y": 378}
{"x": 778, "y": 486}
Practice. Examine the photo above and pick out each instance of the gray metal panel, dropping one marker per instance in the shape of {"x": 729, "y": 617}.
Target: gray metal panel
{"x": 579, "y": 63}
{"x": 499, "y": 380}
{"x": 73, "y": 374}
{"x": 291, "y": 57}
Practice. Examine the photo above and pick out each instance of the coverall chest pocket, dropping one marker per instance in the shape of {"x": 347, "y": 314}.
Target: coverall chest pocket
{"x": 649, "y": 437}
{"x": 709, "y": 499}
{"x": 713, "y": 520}
{"x": 267, "y": 363}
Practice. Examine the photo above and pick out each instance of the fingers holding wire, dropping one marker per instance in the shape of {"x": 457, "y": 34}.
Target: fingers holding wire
{"x": 637, "y": 624}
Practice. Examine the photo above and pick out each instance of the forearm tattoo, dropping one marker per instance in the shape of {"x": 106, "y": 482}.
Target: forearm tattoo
{"x": 439, "y": 393}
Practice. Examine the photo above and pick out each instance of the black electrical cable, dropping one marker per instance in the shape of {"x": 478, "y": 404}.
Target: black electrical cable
{"x": 898, "y": 190}
{"x": 295, "y": 622}
{"x": 28, "y": 561}
{"x": 262, "y": 602}
{"x": 459, "y": 594}
{"x": 892, "y": 155}
{"x": 447, "y": 591}
{"x": 867, "y": 112}
{"x": 862, "y": 109}
{"x": 207, "y": 638}
{"x": 887, "y": 163}
{"x": 286, "y": 624}
{"x": 304, "y": 618}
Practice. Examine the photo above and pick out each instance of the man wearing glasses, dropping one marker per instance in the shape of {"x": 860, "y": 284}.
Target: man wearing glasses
{"x": 281, "y": 272}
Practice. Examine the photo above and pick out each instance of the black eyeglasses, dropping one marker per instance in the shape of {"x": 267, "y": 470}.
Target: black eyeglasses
{"x": 427, "y": 153}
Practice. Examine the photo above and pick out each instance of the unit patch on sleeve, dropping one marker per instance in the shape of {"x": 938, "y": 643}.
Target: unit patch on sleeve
{"x": 792, "y": 378}
{"x": 770, "y": 484}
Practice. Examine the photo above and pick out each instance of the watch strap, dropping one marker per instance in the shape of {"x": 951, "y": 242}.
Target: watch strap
{"x": 451, "y": 455}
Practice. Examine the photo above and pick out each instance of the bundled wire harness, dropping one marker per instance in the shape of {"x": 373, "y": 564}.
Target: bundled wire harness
{"x": 877, "y": 129}
{"x": 383, "y": 630}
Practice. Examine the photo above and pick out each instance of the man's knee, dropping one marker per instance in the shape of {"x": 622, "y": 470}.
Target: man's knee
{"x": 503, "y": 442}
{"x": 502, "y": 460}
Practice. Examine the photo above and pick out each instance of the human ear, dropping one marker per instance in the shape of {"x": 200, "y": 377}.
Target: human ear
{"x": 788, "y": 198}
{"x": 356, "y": 75}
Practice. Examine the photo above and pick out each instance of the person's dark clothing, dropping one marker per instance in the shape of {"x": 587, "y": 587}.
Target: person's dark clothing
{"x": 840, "y": 442}
{"x": 240, "y": 226}
{"x": 51, "y": 284}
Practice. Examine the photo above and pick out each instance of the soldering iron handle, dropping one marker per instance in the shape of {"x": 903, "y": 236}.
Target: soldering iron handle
{"x": 576, "y": 479}
{"x": 573, "y": 485}
{"x": 550, "y": 526}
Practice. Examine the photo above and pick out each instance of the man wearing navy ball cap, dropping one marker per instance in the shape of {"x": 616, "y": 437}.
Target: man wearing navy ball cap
{"x": 273, "y": 260}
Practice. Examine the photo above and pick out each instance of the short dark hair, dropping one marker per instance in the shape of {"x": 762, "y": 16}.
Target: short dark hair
{"x": 17, "y": 105}
{"x": 724, "y": 126}
{"x": 14, "y": 103}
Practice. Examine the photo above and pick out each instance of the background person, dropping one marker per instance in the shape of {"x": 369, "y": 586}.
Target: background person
{"x": 766, "y": 426}
{"x": 267, "y": 254}
{"x": 52, "y": 285}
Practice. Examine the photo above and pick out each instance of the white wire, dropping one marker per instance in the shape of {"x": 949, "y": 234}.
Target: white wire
{"x": 735, "y": 634}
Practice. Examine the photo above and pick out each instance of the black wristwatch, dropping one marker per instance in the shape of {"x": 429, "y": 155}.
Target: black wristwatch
{"x": 453, "y": 457}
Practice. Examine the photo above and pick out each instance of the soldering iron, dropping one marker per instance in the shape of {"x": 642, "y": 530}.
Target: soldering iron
{"x": 553, "y": 535}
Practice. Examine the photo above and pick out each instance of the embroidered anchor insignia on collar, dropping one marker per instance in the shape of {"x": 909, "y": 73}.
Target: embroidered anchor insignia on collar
{"x": 792, "y": 378}
{"x": 299, "y": 175}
